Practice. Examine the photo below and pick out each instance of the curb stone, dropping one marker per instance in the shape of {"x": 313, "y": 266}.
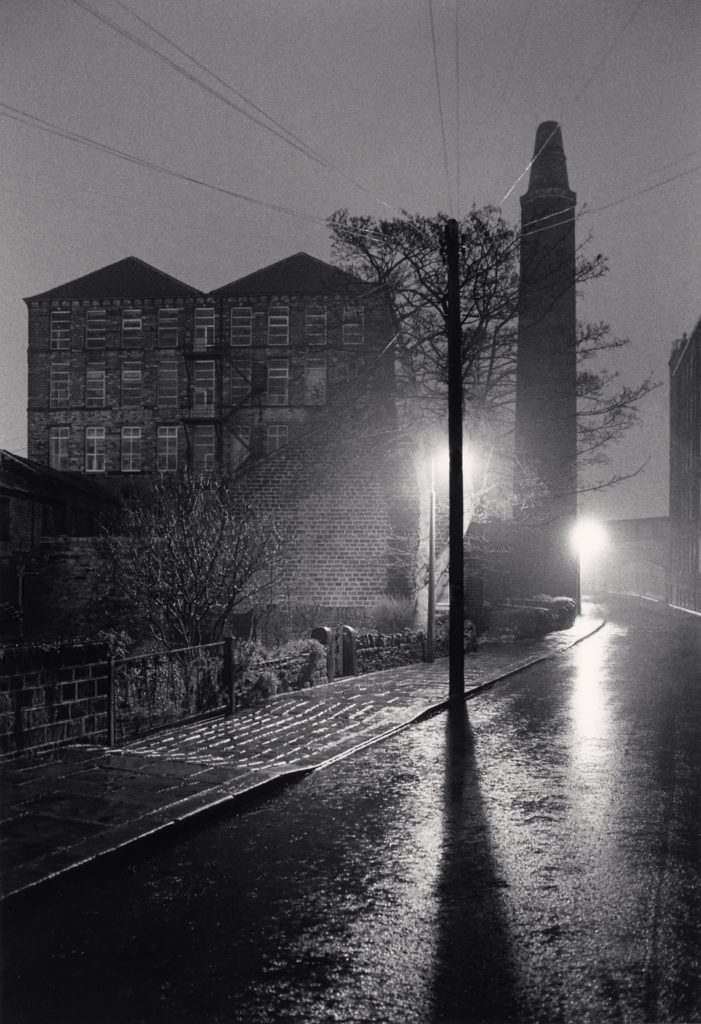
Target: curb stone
{"x": 160, "y": 820}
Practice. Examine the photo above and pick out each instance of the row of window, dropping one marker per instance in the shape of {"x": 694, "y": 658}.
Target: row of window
{"x": 203, "y": 384}
{"x": 169, "y": 327}
{"x": 168, "y": 456}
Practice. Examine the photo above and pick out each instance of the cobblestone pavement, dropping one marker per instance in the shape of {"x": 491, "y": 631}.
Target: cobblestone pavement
{"x": 62, "y": 810}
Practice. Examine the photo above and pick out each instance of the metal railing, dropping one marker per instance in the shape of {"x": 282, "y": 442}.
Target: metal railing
{"x": 155, "y": 691}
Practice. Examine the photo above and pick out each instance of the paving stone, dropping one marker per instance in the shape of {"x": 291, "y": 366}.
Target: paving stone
{"x": 76, "y": 803}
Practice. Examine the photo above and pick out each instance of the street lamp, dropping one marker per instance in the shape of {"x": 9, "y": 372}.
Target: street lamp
{"x": 430, "y": 625}
{"x": 588, "y": 538}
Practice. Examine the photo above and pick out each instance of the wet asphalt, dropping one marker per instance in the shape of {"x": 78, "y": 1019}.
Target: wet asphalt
{"x": 64, "y": 809}
{"x": 529, "y": 856}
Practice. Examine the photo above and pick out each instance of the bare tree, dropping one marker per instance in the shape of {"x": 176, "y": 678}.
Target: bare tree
{"x": 405, "y": 257}
{"x": 190, "y": 554}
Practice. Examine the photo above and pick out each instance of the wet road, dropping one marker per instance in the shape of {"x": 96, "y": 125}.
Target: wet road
{"x": 533, "y": 856}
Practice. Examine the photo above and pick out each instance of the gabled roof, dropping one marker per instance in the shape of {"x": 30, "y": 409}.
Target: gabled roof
{"x": 300, "y": 274}
{"x": 127, "y": 278}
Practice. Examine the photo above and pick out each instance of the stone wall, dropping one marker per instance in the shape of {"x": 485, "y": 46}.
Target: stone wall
{"x": 51, "y": 695}
{"x": 69, "y": 594}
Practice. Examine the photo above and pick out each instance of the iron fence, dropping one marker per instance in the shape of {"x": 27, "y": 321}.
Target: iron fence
{"x": 152, "y": 692}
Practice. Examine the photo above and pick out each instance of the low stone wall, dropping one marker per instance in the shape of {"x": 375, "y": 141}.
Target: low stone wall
{"x": 51, "y": 695}
{"x": 295, "y": 673}
{"x": 376, "y": 651}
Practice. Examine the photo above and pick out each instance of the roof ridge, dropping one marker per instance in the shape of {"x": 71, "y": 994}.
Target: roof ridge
{"x": 125, "y": 263}
{"x": 278, "y": 267}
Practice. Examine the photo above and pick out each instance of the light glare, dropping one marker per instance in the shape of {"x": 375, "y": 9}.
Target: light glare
{"x": 588, "y": 537}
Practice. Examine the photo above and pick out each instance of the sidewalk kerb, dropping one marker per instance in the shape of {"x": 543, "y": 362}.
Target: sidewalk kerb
{"x": 223, "y": 798}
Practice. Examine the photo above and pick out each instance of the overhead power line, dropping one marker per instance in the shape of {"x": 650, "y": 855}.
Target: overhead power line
{"x": 642, "y": 191}
{"x": 615, "y": 41}
{"x": 440, "y": 103}
{"x": 23, "y": 117}
{"x": 270, "y": 124}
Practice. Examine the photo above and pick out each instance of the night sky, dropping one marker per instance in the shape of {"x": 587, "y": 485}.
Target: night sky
{"x": 300, "y": 107}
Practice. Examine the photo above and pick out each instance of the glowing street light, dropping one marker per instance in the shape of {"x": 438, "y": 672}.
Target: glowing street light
{"x": 441, "y": 460}
{"x": 588, "y": 538}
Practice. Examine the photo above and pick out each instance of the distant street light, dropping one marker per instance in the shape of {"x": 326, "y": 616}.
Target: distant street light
{"x": 588, "y": 538}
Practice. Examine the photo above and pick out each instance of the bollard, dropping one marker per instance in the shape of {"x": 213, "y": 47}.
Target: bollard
{"x": 324, "y": 635}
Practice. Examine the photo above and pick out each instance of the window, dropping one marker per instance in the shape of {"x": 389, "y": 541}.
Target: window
{"x": 59, "y": 384}
{"x": 131, "y": 449}
{"x": 94, "y": 449}
{"x": 353, "y": 325}
{"x": 241, "y": 370}
{"x": 168, "y": 385}
{"x": 277, "y": 437}
{"x": 58, "y": 447}
{"x": 60, "y": 329}
{"x": 167, "y": 449}
{"x": 167, "y": 327}
{"x": 204, "y": 388}
{"x": 204, "y": 328}
{"x": 241, "y": 326}
{"x": 315, "y": 382}
{"x": 240, "y": 446}
{"x": 95, "y": 385}
{"x": 131, "y": 384}
{"x": 278, "y": 381}
{"x": 203, "y": 449}
{"x": 131, "y": 327}
{"x": 315, "y": 324}
{"x": 95, "y": 328}
{"x": 278, "y": 325}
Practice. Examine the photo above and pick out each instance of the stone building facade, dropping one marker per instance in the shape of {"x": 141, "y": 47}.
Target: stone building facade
{"x": 685, "y": 471}
{"x": 283, "y": 378}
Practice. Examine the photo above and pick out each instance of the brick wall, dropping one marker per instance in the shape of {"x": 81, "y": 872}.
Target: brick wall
{"x": 339, "y": 524}
{"x": 52, "y": 695}
{"x": 340, "y": 500}
{"x": 338, "y": 530}
{"x": 69, "y": 595}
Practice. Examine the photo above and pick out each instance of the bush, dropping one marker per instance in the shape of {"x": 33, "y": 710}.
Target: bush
{"x": 563, "y": 608}
{"x": 263, "y": 673}
{"x": 391, "y": 614}
{"x": 257, "y": 688}
{"x": 519, "y": 622}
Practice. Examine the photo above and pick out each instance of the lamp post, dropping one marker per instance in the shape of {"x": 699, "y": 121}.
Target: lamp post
{"x": 456, "y": 686}
{"x": 430, "y": 625}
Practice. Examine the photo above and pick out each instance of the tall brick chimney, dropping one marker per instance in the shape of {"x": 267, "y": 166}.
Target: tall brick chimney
{"x": 546, "y": 402}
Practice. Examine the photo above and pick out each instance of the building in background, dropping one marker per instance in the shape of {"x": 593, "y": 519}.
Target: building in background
{"x": 684, "y": 588}
{"x": 284, "y": 378}
{"x": 42, "y": 512}
{"x": 546, "y": 371}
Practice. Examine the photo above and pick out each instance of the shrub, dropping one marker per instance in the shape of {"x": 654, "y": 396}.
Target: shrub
{"x": 392, "y": 614}
{"x": 563, "y": 608}
{"x": 296, "y": 664}
{"x": 257, "y": 688}
{"x": 519, "y": 622}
